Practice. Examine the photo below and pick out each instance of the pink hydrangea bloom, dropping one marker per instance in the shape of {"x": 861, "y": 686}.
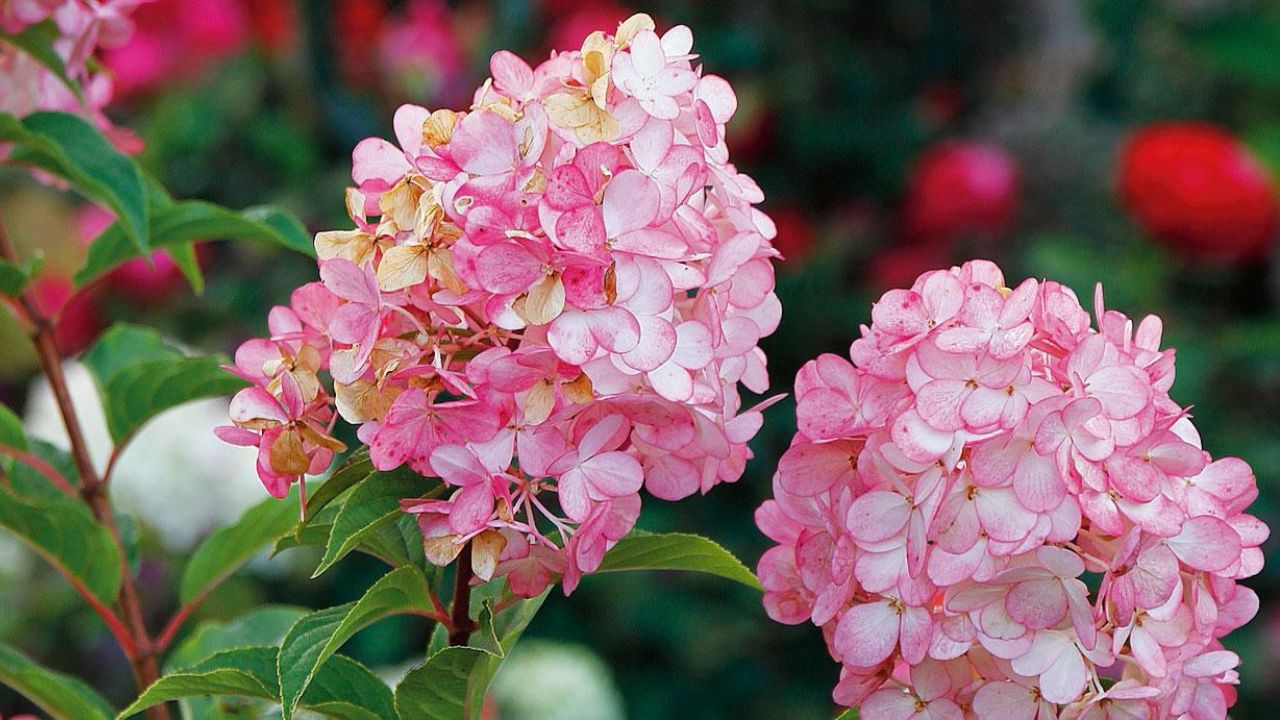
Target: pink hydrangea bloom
{"x": 85, "y": 26}
{"x": 548, "y": 301}
{"x": 997, "y": 511}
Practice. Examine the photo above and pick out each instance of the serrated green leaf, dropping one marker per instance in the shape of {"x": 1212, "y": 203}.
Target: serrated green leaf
{"x": 452, "y": 683}
{"x": 262, "y": 625}
{"x": 61, "y": 696}
{"x": 69, "y": 147}
{"x": 374, "y": 503}
{"x": 63, "y": 532}
{"x": 343, "y": 689}
{"x": 316, "y": 637}
{"x": 37, "y": 41}
{"x": 189, "y": 221}
{"x": 230, "y": 547}
{"x": 676, "y": 551}
{"x": 354, "y": 469}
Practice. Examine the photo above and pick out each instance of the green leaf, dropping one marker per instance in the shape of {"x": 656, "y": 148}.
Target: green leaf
{"x": 850, "y": 714}
{"x": 264, "y": 625}
{"x": 14, "y": 278}
{"x": 188, "y": 221}
{"x": 230, "y": 547}
{"x": 396, "y": 543}
{"x": 374, "y": 503}
{"x": 69, "y": 147}
{"x": 125, "y": 345}
{"x": 452, "y": 683}
{"x": 11, "y": 432}
{"x": 676, "y": 551}
{"x": 37, "y": 41}
{"x": 343, "y": 688}
{"x": 316, "y": 637}
{"x": 184, "y": 256}
{"x": 139, "y": 376}
{"x": 63, "y": 532}
{"x": 61, "y": 696}
{"x": 353, "y": 470}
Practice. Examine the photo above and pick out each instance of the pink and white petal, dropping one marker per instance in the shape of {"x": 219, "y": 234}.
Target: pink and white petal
{"x": 867, "y": 634}
{"x": 918, "y": 440}
{"x": 631, "y": 201}
{"x": 375, "y": 159}
{"x": 656, "y": 346}
{"x": 1206, "y": 543}
{"x": 571, "y": 336}
{"x": 615, "y": 328}
{"x": 582, "y": 229}
{"x": 877, "y": 516}
{"x": 671, "y": 382}
{"x": 613, "y": 474}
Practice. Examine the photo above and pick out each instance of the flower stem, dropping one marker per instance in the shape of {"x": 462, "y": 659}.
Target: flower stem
{"x": 461, "y": 623}
{"x": 92, "y": 490}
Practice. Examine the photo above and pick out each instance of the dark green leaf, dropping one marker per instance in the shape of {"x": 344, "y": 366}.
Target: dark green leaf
{"x": 223, "y": 552}
{"x": 354, "y": 469}
{"x": 190, "y": 221}
{"x": 343, "y": 688}
{"x": 61, "y": 696}
{"x": 452, "y": 683}
{"x": 316, "y": 637}
{"x": 63, "y": 532}
{"x": 69, "y": 147}
{"x": 676, "y": 551}
{"x": 263, "y": 625}
{"x": 374, "y": 503}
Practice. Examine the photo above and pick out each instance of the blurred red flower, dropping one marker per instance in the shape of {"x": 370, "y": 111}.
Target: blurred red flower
{"x": 176, "y": 38}
{"x": 1199, "y": 191}
{"x": 77, "y": 319}
{"x": 960, "y": 188}
{"x": 572, "y": 22}
{"x": 795, "y": 238}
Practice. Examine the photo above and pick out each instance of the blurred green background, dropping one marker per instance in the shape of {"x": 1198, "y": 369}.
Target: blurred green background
{"x": 842, "y": 102}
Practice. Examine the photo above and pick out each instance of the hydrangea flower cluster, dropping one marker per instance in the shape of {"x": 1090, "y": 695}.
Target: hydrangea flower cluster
{"x": 84, "y": 26}
{"x": 997, "y": 511}
{"x": 548, "y": 301}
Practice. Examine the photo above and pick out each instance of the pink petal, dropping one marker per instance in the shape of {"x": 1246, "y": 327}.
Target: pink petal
{"x": 867, "y": 634}
{"x": 631, "y": 200}
{"x": 378, "y": 160}
{"x": 877, "y": 516}
{"x": 1206, "y": 543}
{"x": 614, "y": 474}
{"x": 511, "y": 75}
{"x": 807, "y": 469}
{"x": 507, "y": 268}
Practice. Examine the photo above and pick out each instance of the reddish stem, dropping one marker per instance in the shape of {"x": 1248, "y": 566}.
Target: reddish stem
{"x": 461, "y": 625}
{"x": 136, "y": 642}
